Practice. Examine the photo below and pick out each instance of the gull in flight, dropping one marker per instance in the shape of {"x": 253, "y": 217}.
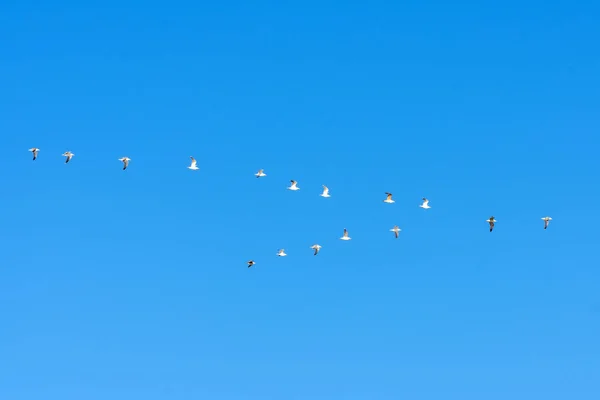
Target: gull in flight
{"x": 492, "y": 222}
{"x": 396, "y": 230}
{"x": 125, "y": 161}
{"x": 251, "y": 263}
{"x": 260, "y": 173}
{"x": 193, "y": 166}
{"x": 388, "y": 199}
{"x": 294, "y": 185}
{"x": 69, "y": 155}
{"x": 345, "y": 237}
{"x": 34, "y": 150}
{"x": 316, "y": 248}
{"x": 325, "y": 192}
{"x": 281, "y": 253}
{"x": 425, "y": 204}
{"x": 546, "y": 222}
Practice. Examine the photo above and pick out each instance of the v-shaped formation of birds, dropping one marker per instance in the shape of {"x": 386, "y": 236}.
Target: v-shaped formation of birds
{"x": 294, "y": 186}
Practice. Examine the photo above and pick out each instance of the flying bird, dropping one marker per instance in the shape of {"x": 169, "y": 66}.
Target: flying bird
{"x": 316, "y": 248}
{"x": 260, "y": 173}
{"x": 193, "y": 166}
{"x": 69, "y": 155}
{"x": 492, "y": 222}
{"x": 345, "y": 237}
{"x": 34, "y": 150}
{"x": 546, "y": 222}
{"x": 388, "y": 199}
{"x": 396, "y": 230}
{"x": 325, "y": 192}
{"x": 294, "y": 185}
{"x": 425, "y": 204}
{"x": 251, "y": 263}
{"x": 281, "y": 253}
{"x": 125, "y": 161}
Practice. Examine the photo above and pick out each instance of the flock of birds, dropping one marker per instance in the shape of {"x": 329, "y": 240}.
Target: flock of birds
{"x": 294, "y": 186}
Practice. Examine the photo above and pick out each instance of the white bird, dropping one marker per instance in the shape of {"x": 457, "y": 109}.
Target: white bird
{"x": 260, "y": 173}
{"x": 325, "y": 192}
{"x": 316, "y": 248}
{"x": 281, "y": 253}
{"x": 425, "y": 204}
{"x": 546, "y": 221}
{"x": 34, "y": 150}
{"x": 492, "y": 222}
{"x": 345, "y": 237}
{"x": 69, "y": 155}
{"x": 388, "y": 199}
{"x": 193, "y": 166}
{"x": 125, "y": 161}
{"x": 396, "y": 230}
{"x": 251, "y": 263}
{"x": 294, "y": 185}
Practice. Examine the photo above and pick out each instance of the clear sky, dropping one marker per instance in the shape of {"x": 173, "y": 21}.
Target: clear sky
{"x": 133, "y": 284}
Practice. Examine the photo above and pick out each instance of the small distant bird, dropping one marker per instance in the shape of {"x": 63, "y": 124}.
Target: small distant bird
{"x": 388, "y": 199}
{"x": 34, "y": 150}
{"x": 425, "y": 204}
{"x": 316, "y": 248}
{"x": 193, "y": 166}
{"x": 281, "y": 253}
{"x": 294, "y": 185}
{"x": 492, "y": 222}
{"x": 325, "y": 192}
{"x": 251, "y": 263}
{"x": 260, "y": 173}
{"x": 69, "y": 155}
{"x": 345, "y": 237}
{"x": 396, "y": 230}
{"x": 546, "y": 222}
{"x": 125, "y": 161}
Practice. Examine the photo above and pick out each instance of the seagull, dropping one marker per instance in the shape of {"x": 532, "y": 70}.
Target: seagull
{"x": 388, "y": 199}
{"x": 125, "y": 161}
{"x": 281, "y": 253}
{"x": 251, "y": 263}
{"x": 260, "y": 173}
{"x": 34, "y": 150}
{"x": 325, "y": 192}
{"x": 492, "y": 222}
{"x": 193, "y": 165}
{"x": 316, "y": 248}
{"x": 69, "y": 155}
{"x": 425, "y": 204}
{"x": 396, "y": 230}
{"x": 546, "y": 222}
{"x": 294, "y": 185}
{"x": 345, "y": 237}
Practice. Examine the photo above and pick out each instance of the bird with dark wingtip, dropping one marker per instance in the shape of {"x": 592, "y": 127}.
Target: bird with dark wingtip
{"x": 492, "y": 222}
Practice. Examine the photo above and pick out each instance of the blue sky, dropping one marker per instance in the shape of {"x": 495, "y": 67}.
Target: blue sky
{"x": 134, "y": 284}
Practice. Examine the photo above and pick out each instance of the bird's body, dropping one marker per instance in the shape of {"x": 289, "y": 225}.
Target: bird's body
{"x": 396, "y": 230}
{"x": 425, "y": 204}
{"x": 546, "y": 221}
{"x": 251, "y": 263}
{"x": 260, "y": 173}
{"x": 125, "y": 161}
{"x": 281, "y": 253}
{"x": 492, "y": 222}
{"x": 294, "y": 185}
{"x": 345, "y": 237}
{"x": 316, "y": 248}
{"x": 69, "y": 155}
{"x": 194, "y": 164}
{"x": 388, "y": 198}
{"x": 34, "y": 151}
{"x": 325, "y": 192}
